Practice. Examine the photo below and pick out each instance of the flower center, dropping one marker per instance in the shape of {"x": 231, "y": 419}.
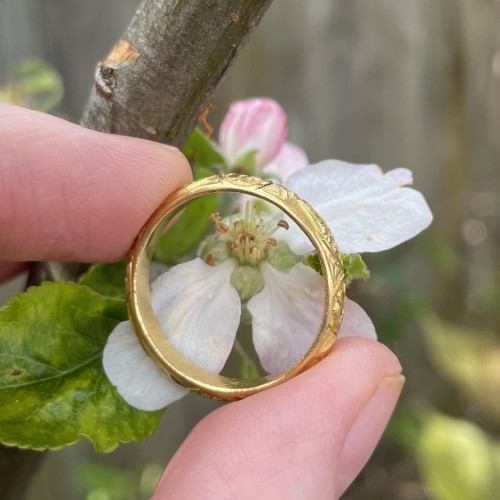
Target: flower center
{"x": 248, "y": 237}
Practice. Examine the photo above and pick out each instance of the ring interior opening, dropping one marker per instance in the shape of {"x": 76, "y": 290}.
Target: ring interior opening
{"x": 229, "y": 292}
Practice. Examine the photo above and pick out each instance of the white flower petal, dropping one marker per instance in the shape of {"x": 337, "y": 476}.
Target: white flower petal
{"x": 199, "y": 310}
{"x": 286, "y": 315}
{"x": 138, "y": 380}
{"x": 289, "y": 159}
{"x": 356, "y": 322}
{"x": 366, "y": 210}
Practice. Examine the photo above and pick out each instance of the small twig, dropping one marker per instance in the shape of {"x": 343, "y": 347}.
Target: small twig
{"x": 202, "y": 118}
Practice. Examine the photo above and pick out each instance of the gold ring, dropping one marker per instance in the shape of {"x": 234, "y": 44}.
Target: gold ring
{"x": 153, "y": 339}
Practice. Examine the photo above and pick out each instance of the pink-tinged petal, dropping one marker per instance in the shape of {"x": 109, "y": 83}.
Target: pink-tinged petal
{"x": 366, "y": 210}
{"x": 258, "y": 125}
{"x": 286, "y": 315}
{"x": 199, "y": 310}
{"x": 400, "y": 177}
{"x": 356, "y": 322}
{"x": 136, "y": 377}
{"x": 289, "y": 159}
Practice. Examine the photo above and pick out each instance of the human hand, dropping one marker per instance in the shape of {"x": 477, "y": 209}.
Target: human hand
{"x": 72, "y": 194}
{"x": 67, "y": 193}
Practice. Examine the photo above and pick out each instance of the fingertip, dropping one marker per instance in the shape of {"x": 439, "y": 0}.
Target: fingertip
{"x": 364, "y": 355}
{"x": 366, "y": 431}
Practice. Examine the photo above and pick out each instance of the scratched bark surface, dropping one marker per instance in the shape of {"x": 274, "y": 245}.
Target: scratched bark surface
{"x": 171, "y": 59}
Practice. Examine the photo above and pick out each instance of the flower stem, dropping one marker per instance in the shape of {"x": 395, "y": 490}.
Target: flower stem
{"x": 248, "y": 367}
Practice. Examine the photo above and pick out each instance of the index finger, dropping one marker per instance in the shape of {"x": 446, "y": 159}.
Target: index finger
{"x": 69, "y": 193}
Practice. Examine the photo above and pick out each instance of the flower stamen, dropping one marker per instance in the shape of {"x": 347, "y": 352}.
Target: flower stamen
{"x": 247, "y": 238}
{"x": 221, "y": 228}
{"x": 255, "y": 254}
{"x": 283, "y": 223}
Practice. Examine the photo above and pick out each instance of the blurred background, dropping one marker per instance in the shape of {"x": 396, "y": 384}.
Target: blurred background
{"x": 413, "y": 83}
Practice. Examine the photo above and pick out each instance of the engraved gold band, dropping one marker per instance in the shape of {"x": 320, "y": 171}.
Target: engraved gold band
{"x": 146, "y": 325}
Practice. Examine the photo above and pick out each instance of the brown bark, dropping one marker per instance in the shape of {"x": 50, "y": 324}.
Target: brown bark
{"x": 173, "y": 55}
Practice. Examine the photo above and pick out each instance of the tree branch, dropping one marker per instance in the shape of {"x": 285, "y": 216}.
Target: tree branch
{"x": 156, "y": 82}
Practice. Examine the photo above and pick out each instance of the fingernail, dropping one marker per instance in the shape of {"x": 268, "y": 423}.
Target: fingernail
{"x": 160, "y": 145}
{"x": 366, "y": 431}
{"x": 172, "y": 148}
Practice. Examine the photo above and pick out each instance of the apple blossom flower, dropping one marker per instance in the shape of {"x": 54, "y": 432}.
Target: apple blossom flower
{"x": 250, "y": 260}
{"x": 258, "y": 128}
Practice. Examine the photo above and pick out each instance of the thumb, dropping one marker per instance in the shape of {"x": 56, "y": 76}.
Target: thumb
{"x": 307, "y": 438}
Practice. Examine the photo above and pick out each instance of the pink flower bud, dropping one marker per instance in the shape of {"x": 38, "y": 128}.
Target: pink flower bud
{"x": 258, "y": 125}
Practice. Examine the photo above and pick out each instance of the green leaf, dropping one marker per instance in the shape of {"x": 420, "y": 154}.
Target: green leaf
{"x": 314, "y": 262}
{"x": 53, "y": 390}
{"x": 470, "y": 358}
{"x": 187, "y": 232}
{"x": 34, "y": 84}
{"x": 111, "y": 482}
{"x": 405, "y": 426}
{"x": 99, "y": 481}
{"x": 458, "y": 460}
{"x": 441, "y": 253}
{"x": 354, "y": 268}
{"x": 201, "y": 151}
{"x": 201, "y": 172}
{"x": 246, "y": 163}
{"x": 106, "y": 279}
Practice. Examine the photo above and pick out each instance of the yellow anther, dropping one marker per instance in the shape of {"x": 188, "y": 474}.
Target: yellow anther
{"x": 255, "y": 253}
